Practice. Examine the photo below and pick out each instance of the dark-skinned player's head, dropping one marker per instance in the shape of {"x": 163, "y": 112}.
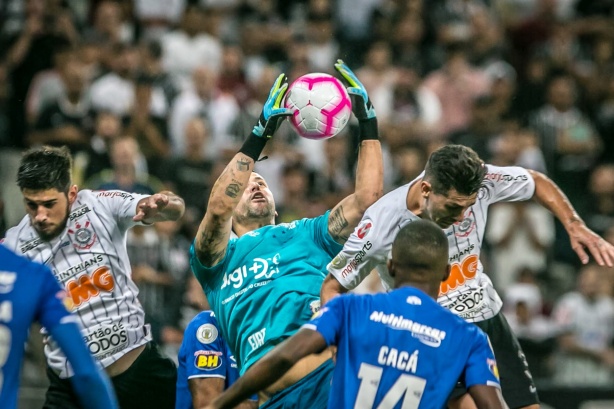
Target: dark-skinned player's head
{"x": 419, "y": 257}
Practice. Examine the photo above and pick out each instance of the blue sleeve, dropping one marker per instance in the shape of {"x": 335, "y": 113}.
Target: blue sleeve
{"x": 321, "y": 236}
{"x": 329, "y": 320}
{"x": 51, "y": 309}
{"x": 481, "y": 368}
{"x": 91, "y": 384}
{"x": 205, "y": 349}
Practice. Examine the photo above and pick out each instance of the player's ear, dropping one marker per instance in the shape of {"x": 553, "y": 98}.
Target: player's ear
{"x": 425, "y": 188}
{"x": 447, "y": 273}
{"x": 72, "y": 194}
{"x": 390, "y": 266}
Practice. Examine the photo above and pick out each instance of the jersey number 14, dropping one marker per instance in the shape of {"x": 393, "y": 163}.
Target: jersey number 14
{"x": 407, "y": 387}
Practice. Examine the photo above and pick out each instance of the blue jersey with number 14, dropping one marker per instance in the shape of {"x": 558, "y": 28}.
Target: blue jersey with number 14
{"x": 401, "y": 350}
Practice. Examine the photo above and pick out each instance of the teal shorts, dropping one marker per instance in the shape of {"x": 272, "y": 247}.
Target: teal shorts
{"x": 311, "y": 392}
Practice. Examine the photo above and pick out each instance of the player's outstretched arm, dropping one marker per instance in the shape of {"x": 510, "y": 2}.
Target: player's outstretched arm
{"x": 90, "y": 383}
{"x": 214, "y": 230}
{"x": 331, "y": 287}
{"x": 549, "y": 195}
{"x": 271, "y": 367}
{"x": 369, "y": 184}
{"x": 159, "y": 207}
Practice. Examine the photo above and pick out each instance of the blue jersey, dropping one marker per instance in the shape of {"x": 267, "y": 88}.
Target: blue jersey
{"x": 28, "y": 293}
{"x": 203, "y": 354}
{"x": 401, "y": 350}
{"x": 268, "y": 284}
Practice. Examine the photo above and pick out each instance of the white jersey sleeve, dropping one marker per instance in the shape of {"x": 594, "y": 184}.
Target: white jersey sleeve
{"x": 120, "y": 204}
{"x": 507, "y": 184}
{"x": 369, "y": 246}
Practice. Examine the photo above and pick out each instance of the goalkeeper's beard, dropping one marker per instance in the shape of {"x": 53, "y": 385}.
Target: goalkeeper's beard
{"x": 255, "y": 213}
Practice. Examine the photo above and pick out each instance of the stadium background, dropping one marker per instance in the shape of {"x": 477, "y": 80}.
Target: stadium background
{"x": 153, "y": 93}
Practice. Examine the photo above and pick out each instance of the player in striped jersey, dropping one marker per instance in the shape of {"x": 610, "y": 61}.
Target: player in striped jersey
{"x": 81, "y": 237}
{"x": 455, "y": 191}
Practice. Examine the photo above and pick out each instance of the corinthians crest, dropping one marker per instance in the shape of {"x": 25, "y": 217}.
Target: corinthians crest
{"x": 81, "y": 236}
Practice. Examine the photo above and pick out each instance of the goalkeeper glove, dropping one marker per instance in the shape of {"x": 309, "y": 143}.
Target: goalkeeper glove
{"x": 273, "y": 112}
{"x": 361, "y": 104}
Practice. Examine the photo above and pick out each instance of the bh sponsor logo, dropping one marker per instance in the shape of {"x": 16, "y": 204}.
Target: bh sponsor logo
{"x": 81, "y": 289}
{"x": 207, "y": 360}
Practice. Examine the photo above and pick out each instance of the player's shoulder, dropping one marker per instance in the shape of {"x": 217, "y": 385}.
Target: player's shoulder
{"x": 19, "y": 233}
{"x": 11, "y": 262}
{"x": 391, "y": 201}
{"x": 499, "y": 174}
{"x": 203, "y": 327}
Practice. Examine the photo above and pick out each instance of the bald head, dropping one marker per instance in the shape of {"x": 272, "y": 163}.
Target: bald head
{"x": 420, "y": 256}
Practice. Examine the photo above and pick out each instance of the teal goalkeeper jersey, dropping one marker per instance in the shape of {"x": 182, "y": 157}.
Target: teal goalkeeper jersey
{"x": 268, "y": 284}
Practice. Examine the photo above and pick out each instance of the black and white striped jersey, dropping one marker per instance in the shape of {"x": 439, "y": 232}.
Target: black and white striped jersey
{"x": 468, "y": 292}
{"x": 90, "y": 261}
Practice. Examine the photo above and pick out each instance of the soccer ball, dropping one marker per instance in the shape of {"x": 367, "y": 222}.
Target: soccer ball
{"x": 321, "y": 103}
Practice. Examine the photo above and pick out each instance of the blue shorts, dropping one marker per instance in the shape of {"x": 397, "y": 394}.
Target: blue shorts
{"x": 311, "y": 392}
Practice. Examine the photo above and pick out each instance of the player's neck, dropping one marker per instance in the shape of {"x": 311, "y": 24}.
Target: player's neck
{"x": 428, "y": 288}
{"x": 414, "y": 199}
{"x": 242, "y": 228}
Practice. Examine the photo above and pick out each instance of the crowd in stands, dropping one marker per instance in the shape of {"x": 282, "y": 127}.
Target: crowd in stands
{"x": 158, "y": 93}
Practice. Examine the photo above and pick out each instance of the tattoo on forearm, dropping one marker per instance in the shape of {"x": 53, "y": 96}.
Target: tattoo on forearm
{"x": 242, "y": 165}
{"x": 233, "y": 190}
{"x": 337, "y": 223}
{"x": 209, "y": 243}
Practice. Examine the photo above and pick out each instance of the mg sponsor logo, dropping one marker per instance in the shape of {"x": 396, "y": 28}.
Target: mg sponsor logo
{"x": 80, "y": 290}
{"x": 460, "y": 273}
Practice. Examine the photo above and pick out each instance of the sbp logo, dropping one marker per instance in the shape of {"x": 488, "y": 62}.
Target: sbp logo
{"x": 459, "y": 273}
{"x": 85, "y": 287}
{"x": 363, "y": 229}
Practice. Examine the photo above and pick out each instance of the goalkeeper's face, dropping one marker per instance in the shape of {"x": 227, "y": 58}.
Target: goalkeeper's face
{"x": 257, "y": 202}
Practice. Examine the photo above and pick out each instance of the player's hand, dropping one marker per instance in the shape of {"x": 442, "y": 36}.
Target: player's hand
{"x": 149, "y": 207}
{"x": 361, "y": 104}
{"x": 582, "y": 238}
{"x": 273, "y": 111}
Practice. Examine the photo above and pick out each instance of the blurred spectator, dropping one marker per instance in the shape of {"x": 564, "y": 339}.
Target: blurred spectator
{"x": 456, "y": 85}
{"x": 568, "y": 139}
{"x": 154, "y": 94}
{"x": 107, "y": 128}
{"x": 109, "y": 25}
{"x": 407, "y": 43}
{"x": 486, "y": 38}
{"x": 605, "y": 119}
{"x": 600, "y": 203}
{"x": 409, "y": 161}
{"x": 416, "y": 111}
{"x": 5, "y": 137}
{"x": 232, "y": 79}
{"x": 297, "y": 201}
{"x": 483, "y": 128}
{"x": 503, "y": 88}
{"x": 585, "y": 357}
{"x": 205, "y": 101}
{"x": 353, "y": 18}
{"x": 128, "y": 172}
{"x": 332, "y": 182}
{"x": 69, "y": 119}
{"x": 379, "y": 76}
{"x": 30, "y": 52}
{"x": 48, "y": 86}
{"x": 536, "y": 332}
{"x": 323, "y": 47}
{"x": 189, "y": 175}
{"x": 114, "y": 91}
{"x": 156, "y": 17}
{"x": 189, "y": 47}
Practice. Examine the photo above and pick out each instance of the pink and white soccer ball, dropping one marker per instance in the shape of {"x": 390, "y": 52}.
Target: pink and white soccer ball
{"x": 321, "y": 103}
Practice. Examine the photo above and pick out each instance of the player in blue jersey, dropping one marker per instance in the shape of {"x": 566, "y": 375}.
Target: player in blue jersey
{"x": 395, "y": 350}
{"x": 28, "y": 293}
{"x": 206, "y": 365}
{"x": 264, "y": 285}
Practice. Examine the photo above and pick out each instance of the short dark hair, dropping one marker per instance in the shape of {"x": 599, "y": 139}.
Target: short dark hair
{"x": 455, "y": 166}
{"x": 420, "y": 244}
{"x": 45, "y": 168}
